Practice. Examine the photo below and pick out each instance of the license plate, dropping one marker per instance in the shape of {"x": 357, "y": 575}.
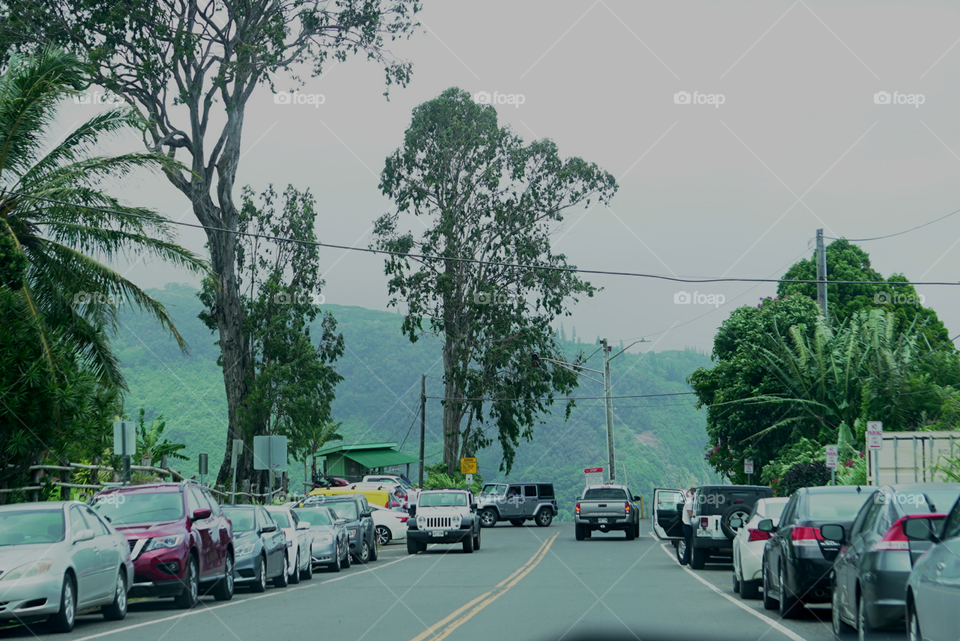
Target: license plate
{"x": 436, "y": 533}
{"x": 601, "y": 520}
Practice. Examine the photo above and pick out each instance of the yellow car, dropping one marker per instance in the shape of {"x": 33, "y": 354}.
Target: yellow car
{"x": 376, "y": 495}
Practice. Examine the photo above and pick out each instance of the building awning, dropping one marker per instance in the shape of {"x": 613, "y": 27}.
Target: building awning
{"x": 383, "y": 458}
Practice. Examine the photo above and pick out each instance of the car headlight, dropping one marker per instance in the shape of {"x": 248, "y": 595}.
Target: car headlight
{"x": 352, "y": 531}
{"x": 421, "y": 521}
{"x": 323, "y": 539}
{"x": 246, "y": 549}
{"x": 27, "y": 570}
{"x": 164, "y": 542}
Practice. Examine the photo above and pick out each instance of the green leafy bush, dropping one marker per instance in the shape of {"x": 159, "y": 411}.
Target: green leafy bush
{"x": 803, "y": 475}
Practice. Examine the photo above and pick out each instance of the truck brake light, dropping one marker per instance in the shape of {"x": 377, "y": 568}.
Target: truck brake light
{"x": 704, "y": 522}
{"x": 578, "y": 508}
{"x": 626, "y": 507}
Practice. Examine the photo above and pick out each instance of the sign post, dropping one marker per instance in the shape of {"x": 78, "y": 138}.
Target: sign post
{"x": 234, "y": 454}
{"x": 875, "y": 444}
{"x": 833, "y": 457}
{"x": 748, "y": 469}
{"x": 125, "y": 444}
{"x": 593, "y": 475}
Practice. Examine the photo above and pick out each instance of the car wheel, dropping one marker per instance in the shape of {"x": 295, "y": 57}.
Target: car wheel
{"x": 118, "y": 607}
{"x": 282, "y": 580}
{"x": 335, "y": 566}
{"x": 516, "y": 522}
{"x": 191, "y": 590}
{"x": 544, "y": 518}
{"x": 789, "y": 607}
{"x": 769, "y": 603}
{"x": 578, "y": 530}
{"x": 374, "y": 549}
{"x": 364, "y": 556}
{"x": 63, "y": 620}
{"x": 295, "y": 572}
{"x": 631, "y": 532}
{"x": 476, "y": 541}
{"x": 412, "y": 547}
{"x": 864, "y": 631}
{"x": 383, "y": 535}
{"x": 840, "y": 629}
{"x": 225, "y": 586}
{"x": 347, "y": 558}
{"x": 260, "y": 576}
{"x": 698, "y": 558}
{"x": 736, "y": 583}
{"x": 913, "y": 625}
{"x": 681, "y": 548}
{"x": 748, "y": 590}
{"x": 307, "y": 573}
{"x": 488, "y": 518}
{"x": 468, "y": 545}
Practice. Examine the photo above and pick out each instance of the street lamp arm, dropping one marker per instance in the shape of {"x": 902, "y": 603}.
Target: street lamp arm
{"x": 572, "y": 369}
{"x": 642, "y": 340}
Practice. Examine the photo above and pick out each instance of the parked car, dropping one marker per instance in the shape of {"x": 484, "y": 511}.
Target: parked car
{"x": 261, "y": 547}
{"x": 330, "y": 541}
{"x": 443, "y": 516}
{"x": 797, "y": 559}
{"x": 748, "y": 546}
{"x": 355, "y": 511}
{"x": 389, "y": 525}
{"x": 298, "y": 538}
{"x": 933, "y": 588}
{"x": 718, "y": 512}
{"x": 607, "y": 508}
{"x": 517, "y": 503}
{"x": 59, "y": 557}
{"x": 870, "y": 574}
{"x": 409, "y": 488}
{"x": 180, "y": 540}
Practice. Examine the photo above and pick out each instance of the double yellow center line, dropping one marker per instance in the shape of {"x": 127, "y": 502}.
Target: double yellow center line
{"x": 443, "y": 628}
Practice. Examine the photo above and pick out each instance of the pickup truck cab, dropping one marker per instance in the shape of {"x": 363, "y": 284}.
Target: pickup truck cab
{"x": 607, "y": 508}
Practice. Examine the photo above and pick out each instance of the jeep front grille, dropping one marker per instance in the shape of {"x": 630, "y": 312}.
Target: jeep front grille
{"x": 439, "y": 522}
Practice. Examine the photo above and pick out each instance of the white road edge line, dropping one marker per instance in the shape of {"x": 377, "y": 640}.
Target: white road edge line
{"x": 774, "y": 624}
{"x": 201, "y": 609}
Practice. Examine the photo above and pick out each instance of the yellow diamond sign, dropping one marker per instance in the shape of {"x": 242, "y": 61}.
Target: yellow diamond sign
{"x": 468, "y": 466}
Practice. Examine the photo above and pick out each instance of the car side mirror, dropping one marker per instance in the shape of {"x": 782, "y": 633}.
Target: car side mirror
{"x": 269, "y": 528}
{"x": 303, "y": 525}
{"x": 202, "y": 513}
{"x": 341, "y": 521}
{"x": 921, "y": 529}
{"x": 473, "y": 507}
{"x": 83, "y": 535}
{"x": 366, "y": 515}
{"x": 833, "y": 532}
{"x": 766, "y": 525}
{"x": 636, "y": 498}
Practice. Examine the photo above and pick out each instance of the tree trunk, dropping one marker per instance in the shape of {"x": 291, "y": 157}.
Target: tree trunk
{"x": 452, "y": 412}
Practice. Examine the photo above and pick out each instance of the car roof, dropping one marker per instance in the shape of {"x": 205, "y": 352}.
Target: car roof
{"x": 838, "y": 489}
{"x": 919, "y": 487}
{"x": 40, "y": 506}
{"x": 152, "y": 487}
{"x": 733, "y": 487}
{"x": 240, "y": 507}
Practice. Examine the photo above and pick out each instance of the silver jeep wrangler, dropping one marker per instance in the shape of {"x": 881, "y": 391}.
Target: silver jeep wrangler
{"x": 517, "y": 503}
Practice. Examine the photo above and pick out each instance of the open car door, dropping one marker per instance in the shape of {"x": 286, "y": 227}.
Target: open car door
{"x": 667, "y": 513}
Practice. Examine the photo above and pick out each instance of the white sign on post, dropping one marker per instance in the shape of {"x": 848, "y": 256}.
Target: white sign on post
{"x": 269, "y": 452}
{"x": 124, "y": 438}
{"x": 747, "y": 466}
{"x": 594, "y": 475}
{"x": 874, "y": 436}
{"x": 833, "y": 456}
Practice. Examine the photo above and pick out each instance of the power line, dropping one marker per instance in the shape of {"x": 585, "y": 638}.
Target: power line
{"x": 427, "y": 257}
{"x": 899, "y": 233}
{"x": 568, "y": 398}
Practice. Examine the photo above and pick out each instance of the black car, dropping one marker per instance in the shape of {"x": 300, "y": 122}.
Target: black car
{"x": 870, "y": 574}
{"x": 798, "y": 560}
{"x": 354, "y": 510}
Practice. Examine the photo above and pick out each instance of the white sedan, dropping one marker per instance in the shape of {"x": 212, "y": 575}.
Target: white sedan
{"x": 748, "y": 547}
{"x": 390, "y": 525}
{"x": 299, "y": 543}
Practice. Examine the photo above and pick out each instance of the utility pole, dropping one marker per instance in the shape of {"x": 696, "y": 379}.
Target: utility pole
{"x": 423, "y": 420}
{"x": 821, "y": 275}
{"x": 609, "y": 404}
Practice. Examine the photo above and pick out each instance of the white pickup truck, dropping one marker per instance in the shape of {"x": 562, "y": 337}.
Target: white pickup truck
{"x": 607, "y": 508}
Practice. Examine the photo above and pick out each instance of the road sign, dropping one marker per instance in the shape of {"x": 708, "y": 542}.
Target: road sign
{"x": 468, "y": 466}
{"x": 269, "y": 452}
{"x": 124, "y": 438}
{"x": 469, "y": 480}
{"x": 747, "y": 466}
{"x": 833, "y": 456}
{"x": 204, "y": 460}
{"x": 874, "y": 436}
{"x": 594, "y": 475}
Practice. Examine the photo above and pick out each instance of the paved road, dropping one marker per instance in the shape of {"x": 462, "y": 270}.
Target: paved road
{"x": 525, "y": 583}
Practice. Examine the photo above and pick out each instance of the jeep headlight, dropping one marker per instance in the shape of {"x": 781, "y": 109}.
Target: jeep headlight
{"x": 455, "y": 522}
{"x": 421, "y": 522}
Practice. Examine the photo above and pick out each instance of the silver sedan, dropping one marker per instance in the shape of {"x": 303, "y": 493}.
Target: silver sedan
{"x": 59, "y": 557}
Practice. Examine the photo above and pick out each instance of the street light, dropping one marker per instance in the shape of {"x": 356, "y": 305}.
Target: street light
{"x": 608, "y": 401}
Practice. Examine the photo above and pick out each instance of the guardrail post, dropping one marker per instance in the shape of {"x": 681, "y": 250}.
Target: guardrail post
{"x": 245, "y": 496}
{"x": 66, "y": 476}
{"x": 34, "y": 495}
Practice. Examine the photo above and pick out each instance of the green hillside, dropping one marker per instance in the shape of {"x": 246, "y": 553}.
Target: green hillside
{"x": 659, "y": 441}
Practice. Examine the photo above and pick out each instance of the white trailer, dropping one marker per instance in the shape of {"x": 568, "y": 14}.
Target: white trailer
{"x": 908, "y": 457}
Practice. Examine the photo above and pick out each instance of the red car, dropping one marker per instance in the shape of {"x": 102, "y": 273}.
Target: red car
{"x": 180, "y": 540}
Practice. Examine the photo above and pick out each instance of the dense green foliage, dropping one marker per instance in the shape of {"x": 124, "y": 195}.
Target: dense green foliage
{"x": 660, "y": 441}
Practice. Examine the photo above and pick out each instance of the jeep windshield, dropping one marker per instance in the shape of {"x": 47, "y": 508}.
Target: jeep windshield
{"x": 443, "y": 499}
{"x": 493, "y": 489}
{"x": 605, "y": 494}
{"x": 144, "y": 507}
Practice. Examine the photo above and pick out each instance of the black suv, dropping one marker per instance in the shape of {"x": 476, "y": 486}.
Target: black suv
{"x": 718, "y": 512}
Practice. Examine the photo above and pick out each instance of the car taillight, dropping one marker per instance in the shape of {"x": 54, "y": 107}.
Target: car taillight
{"x": 895, "y": 539}
{"x": 757, "y": 535}
{"x": 626, "y": 507}
{"x": 578, "y": 507}
{"x": 403, "y": 519}
{"x": 805, "y": 535}
{"x": 704, "y": 522}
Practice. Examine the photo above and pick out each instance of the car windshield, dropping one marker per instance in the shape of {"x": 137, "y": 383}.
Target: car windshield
{"x": 774, "y": 510}
{"x": 493, "y": 489}
{"x": 242, "y": 519}
{"x": 140, "y": 507}
{"x": 23, "y": 527}
{"x": 443, "y": 499}
{"x": 281, "y": 518}
{"x": 313, "y": 516}
{"x": 344, "y": 510}
{"x": 605, "y": 494}
{"x": 842, "y": 507}
{"x": 927, "y": 502}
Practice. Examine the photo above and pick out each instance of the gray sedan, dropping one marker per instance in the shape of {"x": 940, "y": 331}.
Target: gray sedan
{"x": 59, "y": 557}
{"x": 259, "y": 546}
{"x": 331, "y": 543}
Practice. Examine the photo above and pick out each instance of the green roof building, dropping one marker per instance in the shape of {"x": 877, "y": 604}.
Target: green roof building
{"x": 352, "y": 462}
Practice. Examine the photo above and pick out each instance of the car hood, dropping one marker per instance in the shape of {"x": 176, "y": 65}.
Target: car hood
{"x": 442, "y": 511}
{"x": 136, "y": 531}
{"x": 12, "y": 556}
{"x": 245, "y": 537}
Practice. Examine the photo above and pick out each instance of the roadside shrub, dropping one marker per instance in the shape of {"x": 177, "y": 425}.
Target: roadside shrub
{"x": 803, "y": 475}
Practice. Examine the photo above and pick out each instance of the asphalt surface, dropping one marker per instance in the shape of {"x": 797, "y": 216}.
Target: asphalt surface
{"x": 525, "y": 583}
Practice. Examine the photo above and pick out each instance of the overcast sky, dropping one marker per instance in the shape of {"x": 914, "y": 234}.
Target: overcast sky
{"x": 706, "y": 190}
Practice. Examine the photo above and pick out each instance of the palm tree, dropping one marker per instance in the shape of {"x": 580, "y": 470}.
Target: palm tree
{"x": 62, "y": 228}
